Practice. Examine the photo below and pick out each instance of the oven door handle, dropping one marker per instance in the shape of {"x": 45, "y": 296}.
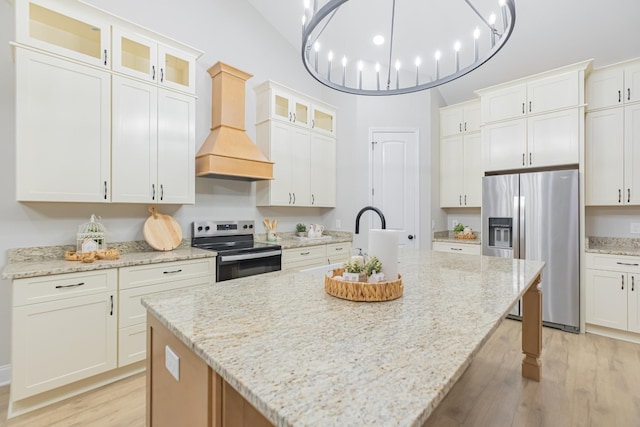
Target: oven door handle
{"x": 255, "y": 255}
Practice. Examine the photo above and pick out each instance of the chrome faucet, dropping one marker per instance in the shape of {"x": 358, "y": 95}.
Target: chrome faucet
{"x": 370, "y": 208}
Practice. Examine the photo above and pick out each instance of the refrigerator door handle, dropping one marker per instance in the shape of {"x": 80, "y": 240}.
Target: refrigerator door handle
{"x": 522, "y": 229}
{"x": 516, "y": 228}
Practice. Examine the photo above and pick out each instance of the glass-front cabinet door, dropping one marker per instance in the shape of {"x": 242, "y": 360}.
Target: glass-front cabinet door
{"x": 58, "y": 28}
{"x": 177, "y": 69}
{"x": 135, "y": 55}
{"x": 323, "y": 119}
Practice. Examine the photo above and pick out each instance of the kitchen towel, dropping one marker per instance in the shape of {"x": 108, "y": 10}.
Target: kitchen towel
{"x": 383, "y": 244}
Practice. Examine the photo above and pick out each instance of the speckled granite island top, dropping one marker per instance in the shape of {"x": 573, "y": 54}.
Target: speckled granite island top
{"x": 46, "y": 260}
{"x": 305, "y": 358}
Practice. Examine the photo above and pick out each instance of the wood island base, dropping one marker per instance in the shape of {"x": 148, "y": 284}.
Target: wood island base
{"x": 200, "y": 397}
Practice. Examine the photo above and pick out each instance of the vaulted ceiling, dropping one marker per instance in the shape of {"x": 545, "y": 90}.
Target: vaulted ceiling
{"x": 548, "y": 34}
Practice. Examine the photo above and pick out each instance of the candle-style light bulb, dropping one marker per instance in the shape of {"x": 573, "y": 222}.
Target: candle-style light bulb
{"x": 378, "y": 75}
{"x": 316, "y": 49}
{"x": 476, "y": 35}
{"x": 398, "y": 74}
{"x": 330, "y": 58}
{"x": 492, "y": 23}
{"x": 307, "y": 4}
{"x": 360, "y": 67}
{"x": 503, "y": 11}
{"x": 344, "y": 70}
{"x": 418, "y": 62}
{"x": 438, "y": 54}
{"x": 456, "y": 48}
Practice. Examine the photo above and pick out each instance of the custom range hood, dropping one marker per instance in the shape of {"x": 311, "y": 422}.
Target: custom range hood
{"x": 228, "y": 152}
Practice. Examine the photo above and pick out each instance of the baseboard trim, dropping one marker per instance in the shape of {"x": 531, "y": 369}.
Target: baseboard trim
{"x": 5, "y": 375}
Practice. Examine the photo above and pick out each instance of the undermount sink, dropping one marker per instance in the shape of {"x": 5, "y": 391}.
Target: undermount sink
{"x": 322, "y": 270}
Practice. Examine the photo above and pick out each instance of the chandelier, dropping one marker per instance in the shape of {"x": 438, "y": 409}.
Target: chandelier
{"x": 363, "y": 47}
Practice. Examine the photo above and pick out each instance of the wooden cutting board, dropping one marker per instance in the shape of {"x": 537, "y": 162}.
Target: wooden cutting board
{"x": 162, "y": 232}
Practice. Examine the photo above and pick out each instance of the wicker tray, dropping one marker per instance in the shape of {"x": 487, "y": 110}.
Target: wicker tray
{"x": 360, "y": 291}
{"x": 470, "y": 236}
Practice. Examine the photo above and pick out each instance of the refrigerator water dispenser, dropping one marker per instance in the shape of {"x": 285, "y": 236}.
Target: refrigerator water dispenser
{"x": 501, "y": 233}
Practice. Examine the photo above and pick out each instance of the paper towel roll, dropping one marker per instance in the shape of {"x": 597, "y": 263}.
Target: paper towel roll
{"x": 383, "y": 244}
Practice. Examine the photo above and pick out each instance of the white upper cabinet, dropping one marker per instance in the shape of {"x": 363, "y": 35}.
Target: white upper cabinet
{"x": 70, "y": 29}
{"x": 504, "y": 145}
{"x": 63, "y": 130}
{"x": 149, "y": 60}
{"x": 89, "y": 119}
{"x": 612, "y": 175}
{"x": 460, "y": 118}
{"x": 613, "y": 86}
{"x": 547, "y": 92}
{"x": 297, "y": 133}
{"x": 323, "y": 119}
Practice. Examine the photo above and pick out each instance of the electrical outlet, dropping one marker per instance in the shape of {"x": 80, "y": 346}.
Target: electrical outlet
{"x": 454, "y": 223}
{"x": 338, "y": 223}
{"x": 635, "y": 227}
{"x": 172, "y": 362}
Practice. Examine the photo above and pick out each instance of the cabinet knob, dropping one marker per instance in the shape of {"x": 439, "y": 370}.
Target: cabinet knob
{"x": 522, "y": 159}
{"x": 460, "y": 126}
{"x": 153, "y": 191}
{"x": 105, "y": 57}
{"x": 619, "y": 96}
{"x": 105, "y": 190}
{"x": 294, "y": 198}
{"x": 161, "y": 74}
{"x": 619, "y": 196}
{"x": 465, "y": 200}
{"x": 153, "y": 72}
{"x": 289, "y": 198}
{"x": 628, "y": 195}
{"x": 523, "y": 108}
{"x": 622, "y": 277}
{"x": 529, "y": 159}
{"x": 529, "y": 106}
{"x": 460, "y": 200}
{"x": 628, "y": 94}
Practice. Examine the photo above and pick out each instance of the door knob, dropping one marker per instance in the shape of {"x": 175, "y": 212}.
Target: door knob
{"x": 411, "y": 236}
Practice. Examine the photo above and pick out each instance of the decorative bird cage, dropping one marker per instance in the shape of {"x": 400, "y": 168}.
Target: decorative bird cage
{"x": 91, "y": 236}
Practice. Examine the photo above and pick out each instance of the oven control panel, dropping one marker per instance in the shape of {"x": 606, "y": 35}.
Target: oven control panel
{"x": 208, "y": 228}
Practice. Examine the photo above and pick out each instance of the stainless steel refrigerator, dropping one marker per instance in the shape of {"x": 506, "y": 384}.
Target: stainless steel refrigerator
{"x": 535, "y": 216}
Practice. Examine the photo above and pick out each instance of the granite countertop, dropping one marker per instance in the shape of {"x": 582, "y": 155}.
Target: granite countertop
{"x": 448, "y": 237}
{"x": 46, "y": 260}
{"x": 613, "y": 246}
{"x": 305, "y": 358}
{"x": 288, "y": 241}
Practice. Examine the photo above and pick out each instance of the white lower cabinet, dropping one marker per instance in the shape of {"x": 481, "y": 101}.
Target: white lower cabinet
{"x": 457, "y": 248}
{"x": 305, "y": 257}
{"x": 338, "y": 252}
{"x": 613, "y": 297}
{"x": 64, "y": 330}
{"x": 140, "y": 281}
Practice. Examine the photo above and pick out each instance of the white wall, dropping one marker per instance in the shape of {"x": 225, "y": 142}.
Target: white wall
{"x": 233, "y": 32}
{"x": 611, "y": 221}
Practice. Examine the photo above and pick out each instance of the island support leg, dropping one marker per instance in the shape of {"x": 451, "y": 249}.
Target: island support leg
{"x": 532, "y": 331}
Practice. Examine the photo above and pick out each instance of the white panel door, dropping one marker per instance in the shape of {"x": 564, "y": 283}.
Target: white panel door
{"x": 300, "y": 163}
{"x": 134, "y": 144}
{"x": 504, "y": 145}
{"x": 604, "y": 88}
{"x": 553, "y": 138}
{"x": 176, "y": 148}
{"x": 632, "y": 83}
{"x": 323, "y": 171}
{"x": 604, "y": 154}
{"x": 631, "y": 193}
{"x": 607, "y": 298}
{"x": 394, "y": 177}
{"x": 472, "y": 186}
{"x": 553, "y": 93}
{"x": 451, "y": 171}
{"x": 63, "y": 130}
{"x": 507, "y": 103}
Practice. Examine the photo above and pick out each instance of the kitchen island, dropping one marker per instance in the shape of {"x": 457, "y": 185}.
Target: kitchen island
{"x": 280, "y": 344}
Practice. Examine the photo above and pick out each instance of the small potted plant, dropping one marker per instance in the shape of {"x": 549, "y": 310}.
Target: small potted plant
{"x": 301, "y": 229}
{"x": 354, "y": 271}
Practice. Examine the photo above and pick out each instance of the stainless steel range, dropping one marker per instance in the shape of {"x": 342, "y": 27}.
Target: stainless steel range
{"x": 238, "y": 254}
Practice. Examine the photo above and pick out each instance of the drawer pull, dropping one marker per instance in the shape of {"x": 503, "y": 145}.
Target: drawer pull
{"x": 622, "y": 277}
{"x": 456, "y": 249}
{"x": 338, "y": 249}
{"x": 305, "y": 253}
{"x": 111, "y": 312}
{"x": 70, "y": 286}
{"x": 171, "y": 272}
{"x": 633, "y": 264}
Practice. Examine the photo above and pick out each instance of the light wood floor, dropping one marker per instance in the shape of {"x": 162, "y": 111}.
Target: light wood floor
{"x": 587, "y": 380}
